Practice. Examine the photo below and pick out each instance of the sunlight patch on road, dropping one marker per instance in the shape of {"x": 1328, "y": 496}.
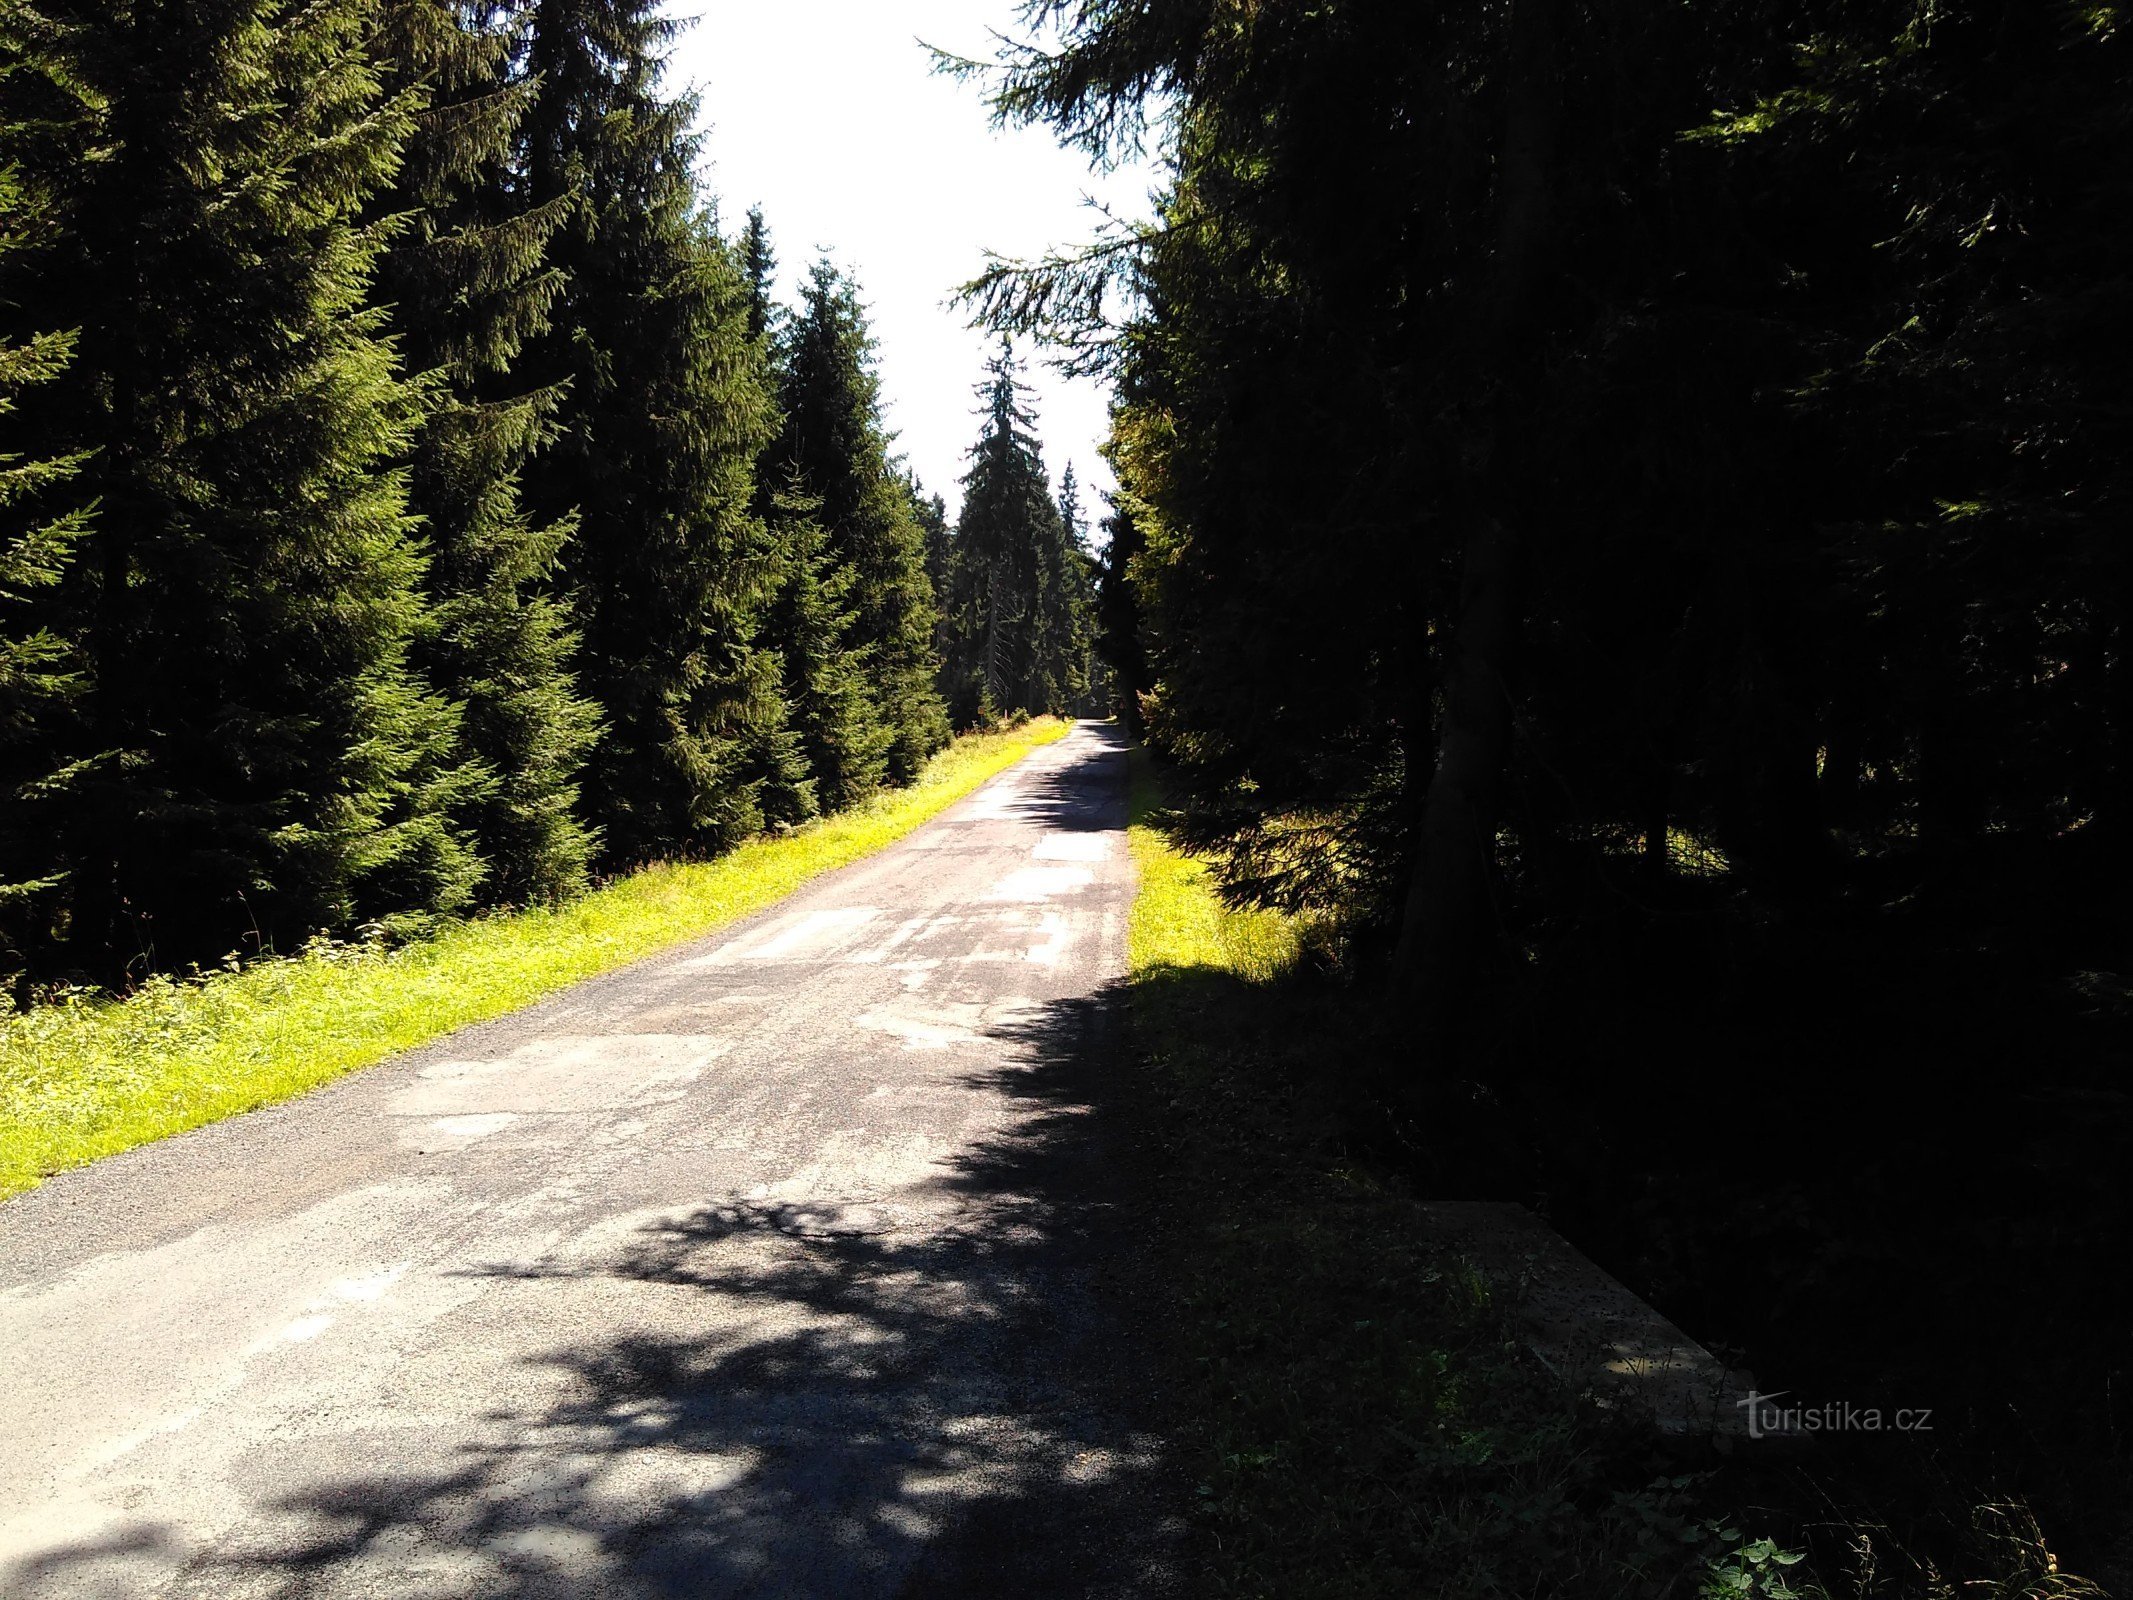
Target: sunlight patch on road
{"x": 1073, "y": 847}
{"x": 902, "y": 934}
{"x": 551, "y": 1544}
{"x": 1041, "y": 883}
{"x": 456, "y": 1133}
{"x": 563, "y": 1073}
{"x": 815, "y": 934}
{"x": 1000, "y": 802}
{"x": 925, "y": 1027}
{"x": 371, "y": 1286}
{"x": 1058, "y": 933}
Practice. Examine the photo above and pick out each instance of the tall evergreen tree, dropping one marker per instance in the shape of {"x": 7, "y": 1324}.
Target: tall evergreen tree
{"x": 932, "y": 514}
{"x": 41, "y": 524}
{"x": 759, "y": 267}
{"x": 1062, "y": 608}
{"x": 1120, "y": 629}
{"x": 1071, "y": 516}
{"x": 837, "y": 452}
{"x": 843, "y": 741}
{"x": 666, "y": 414}
{"x": 251, "y": 588}
{"x": 467, "y": 285}
{"x": 1008, "y": 532}
{"x": 778, "y": 757}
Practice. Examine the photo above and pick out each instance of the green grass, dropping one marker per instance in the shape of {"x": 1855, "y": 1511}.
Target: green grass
{"x": 86, "y": 1077}
{"x": 1179, "y": 925}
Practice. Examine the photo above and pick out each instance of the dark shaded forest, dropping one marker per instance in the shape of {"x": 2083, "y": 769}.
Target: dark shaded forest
{"x": 1623, "y": 526}
{"x": 415, "y": 502}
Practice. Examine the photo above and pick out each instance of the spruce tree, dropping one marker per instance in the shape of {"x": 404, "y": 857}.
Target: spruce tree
{"x": 666, "y": 414}
{"x": 1062, "y": 607}
{"x": 843, "y": 740}
{"x": 932, "y": 514}
{"x": 1007, "y": 524}
{"x": 1120, "y": 627}
{"x": 759, "y": 267}
{"x": 837, "y": 452}
{"x": 778, "y": 758}
{"x": 1083, "y": 570}
{"x": 250, "y": 590}
{"x": 467, "y": 285}
{"x": 41, "y": 524}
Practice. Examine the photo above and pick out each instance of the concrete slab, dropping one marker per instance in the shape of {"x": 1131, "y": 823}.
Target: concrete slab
{"x": 1590, "y": 1330}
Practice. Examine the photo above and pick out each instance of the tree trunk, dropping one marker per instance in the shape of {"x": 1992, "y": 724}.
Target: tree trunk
{"x": 1841, "y": 763}
{"x": 1446, "y": 923}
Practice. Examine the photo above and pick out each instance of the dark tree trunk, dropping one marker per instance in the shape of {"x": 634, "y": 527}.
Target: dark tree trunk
{"x": 1800, "y": 853}
{"x": 1446, "y": 924}
{"x": 1841, "y": 763}
{"x": 1767, "y": 800}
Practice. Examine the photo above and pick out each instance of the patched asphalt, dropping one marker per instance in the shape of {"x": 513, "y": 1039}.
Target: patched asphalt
{"x": 782, "y": 1264}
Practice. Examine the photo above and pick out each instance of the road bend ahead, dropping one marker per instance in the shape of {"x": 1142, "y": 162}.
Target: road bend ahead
{"x": 772, "y": 1266}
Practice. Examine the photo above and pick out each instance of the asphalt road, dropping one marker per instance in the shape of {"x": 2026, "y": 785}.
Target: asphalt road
{"x": 779, "y": 1265}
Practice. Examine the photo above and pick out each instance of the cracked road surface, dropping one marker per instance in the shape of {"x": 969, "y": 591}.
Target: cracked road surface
{"x": 776, "y": 1265}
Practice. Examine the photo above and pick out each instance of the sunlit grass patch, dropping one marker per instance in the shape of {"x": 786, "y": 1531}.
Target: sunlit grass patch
{"x": 86, "y": 1077}
{"x": 1179, "y": 922}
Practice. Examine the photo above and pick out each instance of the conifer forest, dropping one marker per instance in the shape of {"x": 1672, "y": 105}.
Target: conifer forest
{"x": 1606, "y": 620}
{"x": 417, "y": 502}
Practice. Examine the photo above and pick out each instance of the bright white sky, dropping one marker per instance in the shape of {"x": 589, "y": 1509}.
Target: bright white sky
{"x": 827, "y": 114}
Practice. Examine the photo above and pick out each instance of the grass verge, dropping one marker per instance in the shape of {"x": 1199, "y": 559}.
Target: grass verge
{"x": 1354, "y": 1413}
{"x": 86, "y": 1077}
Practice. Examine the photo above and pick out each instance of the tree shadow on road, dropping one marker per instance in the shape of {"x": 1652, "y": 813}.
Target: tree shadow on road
{"x": 924, "y": 1392}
